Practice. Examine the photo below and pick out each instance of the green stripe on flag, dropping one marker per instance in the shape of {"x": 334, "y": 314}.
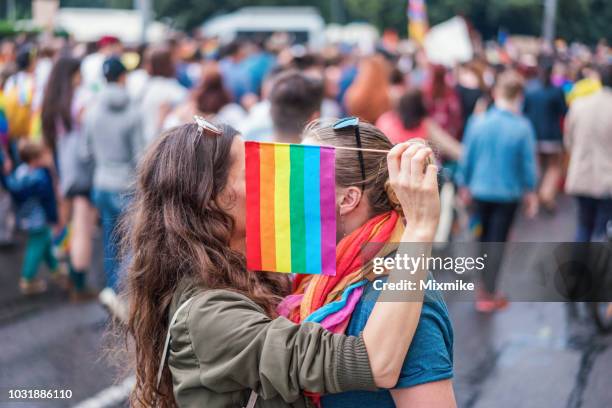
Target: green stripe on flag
{"x": 298, "y": 227}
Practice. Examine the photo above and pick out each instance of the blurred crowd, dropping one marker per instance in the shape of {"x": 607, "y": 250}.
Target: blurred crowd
{"x": 511, "y": 127}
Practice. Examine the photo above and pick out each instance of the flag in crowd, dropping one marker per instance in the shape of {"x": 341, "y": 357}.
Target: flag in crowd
{"x": 417, "y": 20}
{"x": 291, "y": 218}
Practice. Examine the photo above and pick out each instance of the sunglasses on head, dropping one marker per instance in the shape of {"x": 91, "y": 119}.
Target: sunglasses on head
{"x": 352, "y": 122}
{"x": 204, "y": 124}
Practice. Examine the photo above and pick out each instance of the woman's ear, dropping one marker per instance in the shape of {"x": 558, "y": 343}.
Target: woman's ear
{"x": 349, "y": 199}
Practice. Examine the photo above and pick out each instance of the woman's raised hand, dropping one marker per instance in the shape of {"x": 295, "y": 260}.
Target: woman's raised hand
{"x": 414, "y": 180}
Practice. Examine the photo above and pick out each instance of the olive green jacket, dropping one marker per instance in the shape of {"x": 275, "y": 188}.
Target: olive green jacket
{"x": 223, "y": 346}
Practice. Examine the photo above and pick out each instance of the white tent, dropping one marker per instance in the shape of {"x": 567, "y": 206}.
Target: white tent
{"x": 267, "y": 20}
{"x": 89, "y": 24}
{"x": 363, "y": 35}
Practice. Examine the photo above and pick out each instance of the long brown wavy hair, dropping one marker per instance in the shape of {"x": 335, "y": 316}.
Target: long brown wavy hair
{"x": 176, "y": 229}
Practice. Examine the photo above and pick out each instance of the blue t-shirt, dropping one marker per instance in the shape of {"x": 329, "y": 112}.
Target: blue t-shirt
{"x": 429, "y": 359}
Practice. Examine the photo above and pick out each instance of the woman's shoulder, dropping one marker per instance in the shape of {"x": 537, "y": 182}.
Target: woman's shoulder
{"x": 216, "y": 309}
{"x": 204, "y": 301}
{"x": 223, "y": 298}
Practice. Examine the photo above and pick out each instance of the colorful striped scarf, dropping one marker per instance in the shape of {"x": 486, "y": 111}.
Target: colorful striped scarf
{"x": 330, "y": 300}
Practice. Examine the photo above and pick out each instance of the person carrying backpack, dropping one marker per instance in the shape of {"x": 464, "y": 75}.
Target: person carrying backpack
{"x": 18, "y": 98}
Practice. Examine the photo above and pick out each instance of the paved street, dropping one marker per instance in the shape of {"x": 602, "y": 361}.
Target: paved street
{"x": 531, "y": 355}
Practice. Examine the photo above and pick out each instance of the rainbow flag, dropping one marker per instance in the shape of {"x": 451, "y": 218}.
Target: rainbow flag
{"x": 417, "y": 20}
{"x": 290, "y": 208}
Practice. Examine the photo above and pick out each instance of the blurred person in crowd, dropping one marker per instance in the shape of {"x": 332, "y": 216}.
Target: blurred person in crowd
{"x": 295, "y": 100}
{"x": 409, "y": 120}
{"x": 497, "y": 170}
{"x": 7, "y": 216}
{"x": 44, "y": 65}
{"x": 19, "y": 95}
{"x": 470, "y": 89}
{"x": 560, "y": 76}
{"x": 210, "y": 100}
{"x": 258, "y": 64}
{"x": 348, "y": 73}
{"x": 313, "y": 66}
{"x": 420, "y": 71}
{"x": 62, "y": 114}
{"x": 397, "y": 86}
{"x": 138, "y": 76}
{"x": 330, "y": 108}
{"x": 588, "y": 139}
{"x": 369, "y": 96}
{"x": 443, "y": 104}
{"x": 185, "y": 57}
{"x": 8, "y": 51}
{"x": 31, "y": 187}
{"x": 91, "y": 67}
{"x": 258, "y": 123}
{"x": 368, "y": 211}
{"x": 545, "y": 107}
{"x": 587, "y": 82}
{"x": 162, "y": 92}
{"x": 113, "y": 140}
{"x": 235, "y": 75}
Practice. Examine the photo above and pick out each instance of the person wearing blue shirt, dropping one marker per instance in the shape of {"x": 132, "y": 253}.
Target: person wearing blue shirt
{"x": 429, "y": 361}
{"x": 31, "y": 188}
{"x": 545, "y": 107}
{"x": 232, "y": 67}
{"x": 497, "y": 171}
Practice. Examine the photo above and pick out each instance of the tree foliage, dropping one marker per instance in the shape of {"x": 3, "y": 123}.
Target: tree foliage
{"x": 583, "y": 20}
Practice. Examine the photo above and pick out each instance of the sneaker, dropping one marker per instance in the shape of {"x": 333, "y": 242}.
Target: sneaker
{"x": 33, "y": 287}
{"x": 114, "y": 304}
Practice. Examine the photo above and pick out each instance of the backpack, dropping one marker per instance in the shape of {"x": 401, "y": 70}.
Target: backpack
{"x": 18, "y": 107}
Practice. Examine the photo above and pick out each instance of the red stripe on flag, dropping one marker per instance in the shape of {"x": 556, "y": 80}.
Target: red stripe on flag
{"x": 253, "y": 235}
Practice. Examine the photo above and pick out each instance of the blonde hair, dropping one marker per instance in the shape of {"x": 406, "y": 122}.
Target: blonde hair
{"x": 377, "y": 189}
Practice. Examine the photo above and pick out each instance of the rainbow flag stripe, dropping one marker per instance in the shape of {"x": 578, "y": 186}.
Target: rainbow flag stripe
{"x": 290, "y": 208}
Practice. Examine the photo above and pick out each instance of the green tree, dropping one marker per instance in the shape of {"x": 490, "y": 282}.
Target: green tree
{"x": 583, "y": 20}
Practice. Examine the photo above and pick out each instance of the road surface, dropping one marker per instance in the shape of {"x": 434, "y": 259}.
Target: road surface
{"x": 531, "y": 355}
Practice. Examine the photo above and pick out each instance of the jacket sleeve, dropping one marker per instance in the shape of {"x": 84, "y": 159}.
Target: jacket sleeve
{"x": 238, "y": 346}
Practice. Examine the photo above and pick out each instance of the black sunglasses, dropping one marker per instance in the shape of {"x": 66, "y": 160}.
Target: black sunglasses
{"x": 353, "y": 122}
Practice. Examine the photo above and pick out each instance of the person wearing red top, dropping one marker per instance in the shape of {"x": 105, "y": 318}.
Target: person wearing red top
{"x": 442, "y": 102}
{"x": 409, "y": 120}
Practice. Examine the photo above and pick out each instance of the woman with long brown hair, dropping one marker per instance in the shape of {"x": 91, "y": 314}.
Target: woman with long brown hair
{"x": 369, "y": 95}
{"x": 62, "y": 113}
{"x": 187, "y": 276}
